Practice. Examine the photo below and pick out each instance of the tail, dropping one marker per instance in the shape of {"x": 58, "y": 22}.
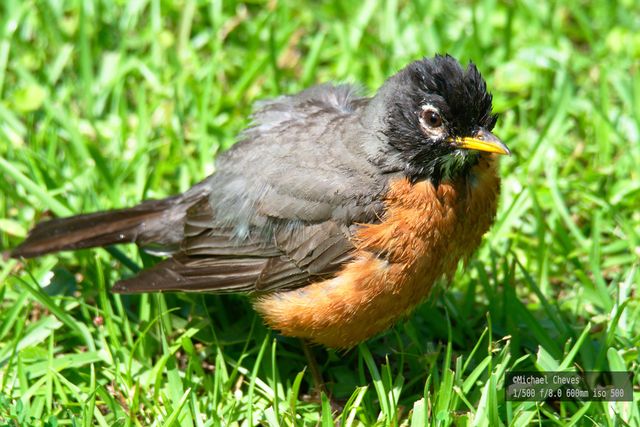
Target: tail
{"x": 157, "y": 222}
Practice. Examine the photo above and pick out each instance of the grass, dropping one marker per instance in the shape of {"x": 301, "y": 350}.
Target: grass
{"x": 105, "y": 103}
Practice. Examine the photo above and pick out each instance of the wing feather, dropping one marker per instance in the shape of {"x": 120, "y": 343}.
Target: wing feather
{"x": 214, "y": 260}
{"x": 281, "y": 209}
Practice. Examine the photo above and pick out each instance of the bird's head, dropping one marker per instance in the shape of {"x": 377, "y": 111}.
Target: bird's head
{"x": 438, "y": 118}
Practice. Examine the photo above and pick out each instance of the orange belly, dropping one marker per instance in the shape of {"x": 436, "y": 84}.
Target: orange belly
{"x": 423, "y": 235}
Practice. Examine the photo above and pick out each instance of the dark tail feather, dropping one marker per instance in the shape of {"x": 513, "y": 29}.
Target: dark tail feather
{"x": 154, "y": 221}
{"x": 184, "y": 274}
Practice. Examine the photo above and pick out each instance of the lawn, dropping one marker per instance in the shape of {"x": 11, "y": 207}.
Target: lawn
{"x": 105, "y": 103}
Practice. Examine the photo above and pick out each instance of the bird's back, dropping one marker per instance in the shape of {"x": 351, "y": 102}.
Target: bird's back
{"x": 283, "y": 206}
{"x": 304, "y": 158}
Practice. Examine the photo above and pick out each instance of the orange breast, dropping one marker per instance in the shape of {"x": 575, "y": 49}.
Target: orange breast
{"x": 423, "y": 235}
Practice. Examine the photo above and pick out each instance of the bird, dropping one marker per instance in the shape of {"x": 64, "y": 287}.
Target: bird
{"x": 336, "y": 213}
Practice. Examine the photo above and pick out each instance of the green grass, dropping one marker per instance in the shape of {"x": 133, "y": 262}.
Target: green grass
{"x": 107, "y": 104}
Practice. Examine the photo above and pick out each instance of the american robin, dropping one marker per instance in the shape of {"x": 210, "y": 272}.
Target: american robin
{"x": 336, "y": 213}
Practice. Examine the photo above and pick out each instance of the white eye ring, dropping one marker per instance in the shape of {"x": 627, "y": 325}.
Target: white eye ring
{"x": 431, "y": 119}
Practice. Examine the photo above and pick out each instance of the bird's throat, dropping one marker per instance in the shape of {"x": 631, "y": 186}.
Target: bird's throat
{"x": 456, "y": 164}
{"x": 447, "y": 167}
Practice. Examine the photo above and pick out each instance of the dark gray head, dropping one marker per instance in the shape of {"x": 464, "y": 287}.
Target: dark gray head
{"x": 437, "y": 118}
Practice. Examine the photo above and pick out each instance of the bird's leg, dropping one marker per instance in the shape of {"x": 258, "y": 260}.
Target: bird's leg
{"x": 319, "y": 384}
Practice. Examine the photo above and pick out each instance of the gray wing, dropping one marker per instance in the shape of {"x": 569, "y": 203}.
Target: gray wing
{"x": 283, "y": 204}
{"x": 216, "y": 260}
{"x": 305, "y": 158}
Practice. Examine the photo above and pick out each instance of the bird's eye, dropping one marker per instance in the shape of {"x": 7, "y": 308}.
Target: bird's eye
{"x": 432, "y": 118}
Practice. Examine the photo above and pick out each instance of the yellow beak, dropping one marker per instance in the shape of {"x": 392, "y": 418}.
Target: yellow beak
{"x": 483, "y": 140}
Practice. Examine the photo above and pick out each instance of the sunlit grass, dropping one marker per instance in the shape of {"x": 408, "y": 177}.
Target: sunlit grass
{"x": 105, "y": 104}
